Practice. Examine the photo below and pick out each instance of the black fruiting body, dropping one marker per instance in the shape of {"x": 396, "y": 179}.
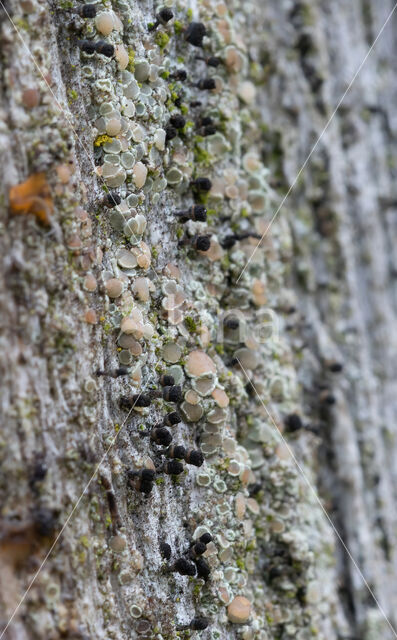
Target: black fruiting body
{"x": 232, "y": 323}
{"x": 206, "y": 538}
{"x": 197, "y": 549}
{"x": 176, "y": 451}
{"x": 249, "y": 234}
{"x": 45, "y": 521}
{"x": 195, "y": 33}
{"x": 38, "y": 474}
{"x": 170, "y": 132}
{"x": 275, "y": 572}
{"x": 121, "y": 371}
{"x": 145, "y": 487}
{"x": 113, "y": 510}
{"x": 141, "y": 400}
{"x": 254, "y": 489}
{"x": 179, "y": 74}
{"x": 177, "y": 121}
{"x": 211, "y": 61}
{"x": 208, "y": 130}
{"x": 206, "y": 84}
{"x": 165, "y": 15}
{"x": 203, "y": 568}
{"x": 142, "y": 480}
{"x": 202, "y": 184}
{"x": 173, "y": 467}
{"x": 105, "y": 48}
{"x": 197, "y": 212}
{"x": 184, "y": 567}
{"x": 229, "y": 241}
{"x": 326, "y": 397}
{"x": 137, "y": 400}
{"x": 87, "y": 46}
{"x": 167, "y": 380}
{"x": 335, "y": 367}
{"x": 161, "y": 435}
{"x": 172, "y": 418}
{"x": 147, "y": 475}
{"x": 172, "y": 393}
{"x": 162, "y": 17}
{"x": 205, "y": 121}
{"x": 194, "y": 457}
{"x": 293, "y": 422}
{"x": 165, "y": 550}
{"x": 201, "y": 243}
{"x": 111, "y": 200}
{"x": 199, "y": 624}
{"x": 87, "y": 11}
{"x": 124, "y": 403}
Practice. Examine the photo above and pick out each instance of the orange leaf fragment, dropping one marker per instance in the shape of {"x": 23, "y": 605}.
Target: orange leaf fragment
{"x": 32, "y": 196}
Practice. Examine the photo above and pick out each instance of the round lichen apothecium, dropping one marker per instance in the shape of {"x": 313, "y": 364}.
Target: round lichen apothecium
{"x": 239, "y": 610}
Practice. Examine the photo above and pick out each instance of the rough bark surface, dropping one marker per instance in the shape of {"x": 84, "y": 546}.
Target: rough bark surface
{"x": 294, "y": 406}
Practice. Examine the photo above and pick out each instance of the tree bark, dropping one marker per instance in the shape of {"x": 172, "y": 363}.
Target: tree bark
{"x": 293, "y": 401}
